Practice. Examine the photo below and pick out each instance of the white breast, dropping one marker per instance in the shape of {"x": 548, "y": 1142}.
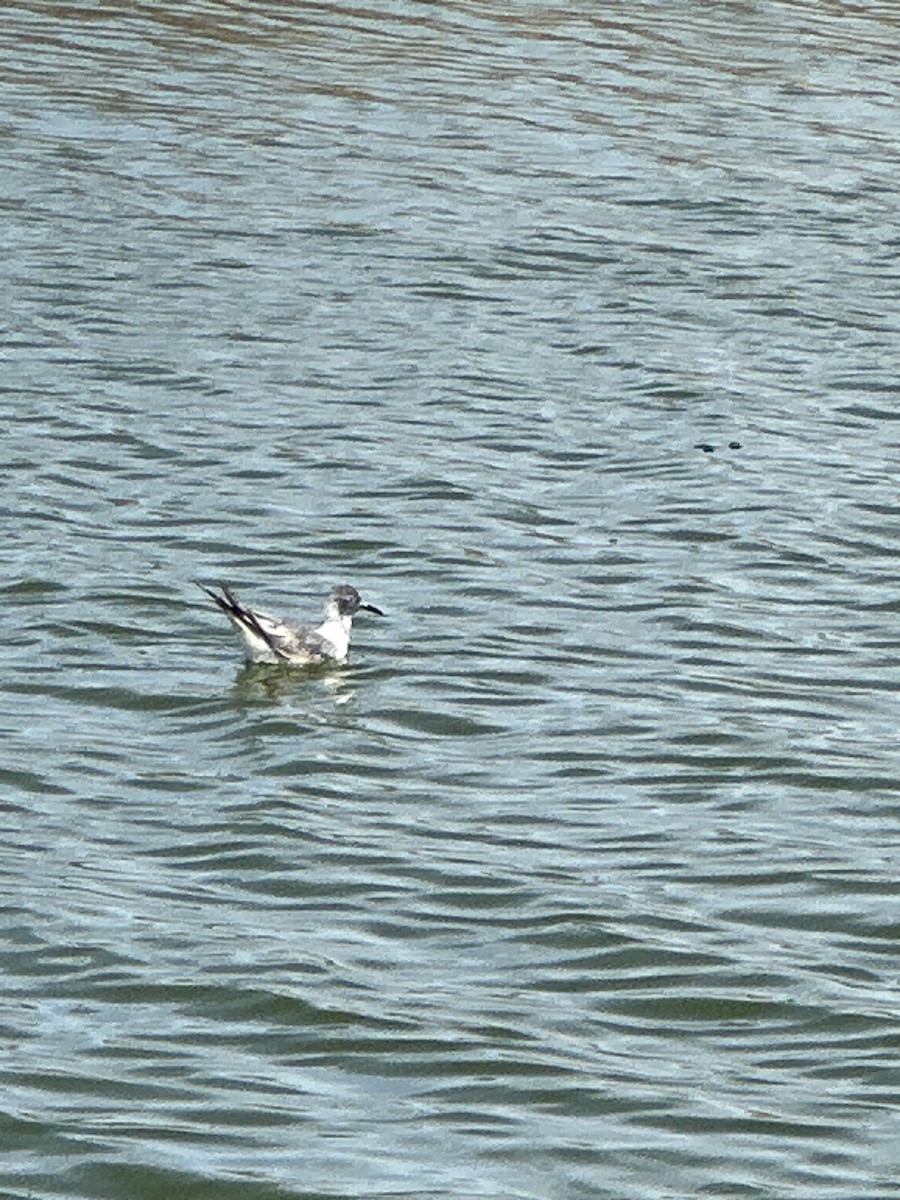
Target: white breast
{"x": 337, "y": 630}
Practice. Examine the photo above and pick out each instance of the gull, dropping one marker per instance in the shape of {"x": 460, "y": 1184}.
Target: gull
{"x": 269, "y": 639}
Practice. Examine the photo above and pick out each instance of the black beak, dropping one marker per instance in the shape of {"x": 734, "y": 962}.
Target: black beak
{"x": 372, "y": 608}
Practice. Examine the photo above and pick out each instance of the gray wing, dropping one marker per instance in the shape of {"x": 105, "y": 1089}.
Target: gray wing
{"x": 291, "y": 643}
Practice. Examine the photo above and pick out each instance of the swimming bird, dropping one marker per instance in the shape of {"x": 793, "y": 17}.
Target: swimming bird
{"x": 269, "y": 639}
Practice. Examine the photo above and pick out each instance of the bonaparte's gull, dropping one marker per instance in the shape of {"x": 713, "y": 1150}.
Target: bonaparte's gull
{"x": 269, "y": 639}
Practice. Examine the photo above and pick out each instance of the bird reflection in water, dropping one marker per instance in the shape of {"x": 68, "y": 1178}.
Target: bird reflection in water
{"x": 276, "y": 684}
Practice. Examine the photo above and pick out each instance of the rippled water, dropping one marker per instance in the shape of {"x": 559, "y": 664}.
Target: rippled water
{"x": 569, "y": 335}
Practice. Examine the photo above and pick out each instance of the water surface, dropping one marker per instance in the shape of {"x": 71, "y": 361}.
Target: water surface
{"x": 569, "y": 337}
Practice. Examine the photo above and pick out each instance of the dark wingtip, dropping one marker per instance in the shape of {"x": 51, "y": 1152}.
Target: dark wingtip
{"x": 227, "y": 601}
{"x": 232, "y": 607}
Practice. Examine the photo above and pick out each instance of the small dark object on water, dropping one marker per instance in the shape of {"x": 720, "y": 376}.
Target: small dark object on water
{"x": 708, "y": 449}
